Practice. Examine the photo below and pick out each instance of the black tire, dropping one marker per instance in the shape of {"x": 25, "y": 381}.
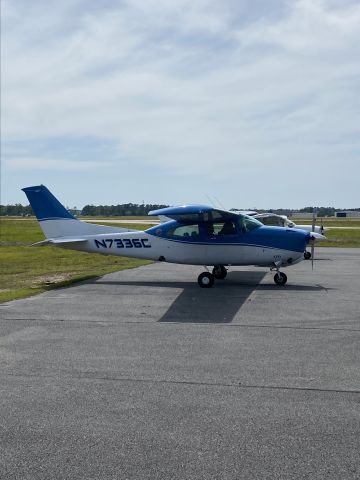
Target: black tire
{"x": 219, "y": 272}
{"x": 307, "y": 255}
{"x": 280, "y": 278}
{"x": 206, "y": 280}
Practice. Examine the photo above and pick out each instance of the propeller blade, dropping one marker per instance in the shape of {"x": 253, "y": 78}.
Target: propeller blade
{"x": 317, "y": 236}
{"x": 312, "y": 252}
{"x": 313, "y": 220}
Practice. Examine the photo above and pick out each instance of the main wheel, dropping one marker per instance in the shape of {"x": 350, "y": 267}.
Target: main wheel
{"x": 219, "y": 272}
{"x": 307, "y": 255}
{"x": 280, "y": 278}
{"x": 206, "y": 280}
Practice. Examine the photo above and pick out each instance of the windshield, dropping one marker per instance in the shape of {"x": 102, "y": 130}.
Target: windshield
{"x": 249, "y": 223}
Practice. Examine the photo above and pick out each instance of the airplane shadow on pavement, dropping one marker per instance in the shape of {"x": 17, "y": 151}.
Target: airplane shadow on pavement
{"x": 221, "y": 303}
{"x": 216, "y": 305}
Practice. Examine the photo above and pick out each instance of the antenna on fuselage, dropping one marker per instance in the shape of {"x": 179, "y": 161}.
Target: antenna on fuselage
{"x": 210, "y": 200}
{"x": 217, "y": 201}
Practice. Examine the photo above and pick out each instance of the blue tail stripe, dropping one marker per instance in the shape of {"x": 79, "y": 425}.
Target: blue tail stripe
{"x": 45, "y": 205}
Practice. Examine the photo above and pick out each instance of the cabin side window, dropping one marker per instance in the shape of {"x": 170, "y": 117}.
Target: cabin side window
{"x": 221, "y": 228}
{"x": 184, "y": 231}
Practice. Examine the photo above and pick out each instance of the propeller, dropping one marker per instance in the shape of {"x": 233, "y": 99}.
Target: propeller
{"x": 312, "y": 252}
{"x": 313, "y": 239}
{"x": 313, "y": 219}
{"x": 314, "y": 236}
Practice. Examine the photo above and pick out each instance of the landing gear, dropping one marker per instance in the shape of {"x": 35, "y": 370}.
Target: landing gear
{"x": 219, "y": 272}
{"x": 280, "y": 278}
{"x": 307, "y": 255}
{"x": 206, "y": 280}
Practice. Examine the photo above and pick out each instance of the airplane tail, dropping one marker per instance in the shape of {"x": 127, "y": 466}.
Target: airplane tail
{"x": 56, "y": 221}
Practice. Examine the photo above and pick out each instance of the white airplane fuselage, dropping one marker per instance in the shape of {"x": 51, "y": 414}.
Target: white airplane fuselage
{"x": 137, "y": 244}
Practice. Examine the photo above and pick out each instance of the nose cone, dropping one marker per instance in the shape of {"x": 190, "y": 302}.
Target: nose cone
{"x": 317, "y": 236}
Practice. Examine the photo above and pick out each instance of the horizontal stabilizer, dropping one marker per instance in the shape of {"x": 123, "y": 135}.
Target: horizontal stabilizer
{"x": 58, "y": 241}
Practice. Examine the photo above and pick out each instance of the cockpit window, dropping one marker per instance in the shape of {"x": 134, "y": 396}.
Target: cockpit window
{"x": 233, "y": 226}
{"x": 248, "y": 223}
{"x": 225, "y": 228}
{"x": 184, "y": 231}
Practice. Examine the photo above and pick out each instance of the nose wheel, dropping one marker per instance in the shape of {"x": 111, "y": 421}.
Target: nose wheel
{"x": 280, "y": 278}
{"x": 307, "y": 255}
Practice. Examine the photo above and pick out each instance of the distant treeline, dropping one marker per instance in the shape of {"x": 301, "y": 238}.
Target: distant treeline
{"x": 133, "y": 209}
{"x": 321, "y": 211}
{"x": 15, "y": 210}
{"x": 126, "y": 209}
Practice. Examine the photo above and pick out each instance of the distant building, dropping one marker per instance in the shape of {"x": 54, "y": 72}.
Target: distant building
{"x": 348, "y": 214}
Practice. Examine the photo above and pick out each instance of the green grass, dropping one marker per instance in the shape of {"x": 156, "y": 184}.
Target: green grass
{"x": 26, "y": 270}
{"x": 341, "y": 238}
{"x": 330, "y": 222}
{"x": 336, "y": 235}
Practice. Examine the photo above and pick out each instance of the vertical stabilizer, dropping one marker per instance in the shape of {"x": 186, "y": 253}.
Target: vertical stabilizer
{"x": 45, "y": 205}
{"x": 56, "y": 221}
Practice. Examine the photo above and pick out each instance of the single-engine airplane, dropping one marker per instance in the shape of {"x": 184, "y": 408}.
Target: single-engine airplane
{"x": 194, "y": 235}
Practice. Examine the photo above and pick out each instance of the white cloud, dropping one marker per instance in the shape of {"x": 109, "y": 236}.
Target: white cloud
{"x": 311, "y": 27}
{"x": 32, "y": 164}
{"x": 188, "y": 86}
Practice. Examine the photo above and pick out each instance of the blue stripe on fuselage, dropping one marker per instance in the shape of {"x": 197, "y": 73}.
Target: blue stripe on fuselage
{"x": 262, "y": 237}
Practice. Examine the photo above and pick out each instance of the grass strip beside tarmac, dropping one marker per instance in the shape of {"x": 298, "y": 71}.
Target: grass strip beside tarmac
{"x": 26, "y": 270}
{"x": 342, "y": 232}
{"x": 338, "y": 237}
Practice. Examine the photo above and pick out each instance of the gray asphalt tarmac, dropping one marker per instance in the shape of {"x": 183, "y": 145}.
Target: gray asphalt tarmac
{"x": 143, "y": 375}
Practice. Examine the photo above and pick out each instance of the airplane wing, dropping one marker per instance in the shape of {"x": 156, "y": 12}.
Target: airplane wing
{"x": 249, "y": 213}
{"x": 194, "y": 213}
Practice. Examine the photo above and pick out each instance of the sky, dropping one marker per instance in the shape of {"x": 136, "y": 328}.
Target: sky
{"x": 238, "y": 103}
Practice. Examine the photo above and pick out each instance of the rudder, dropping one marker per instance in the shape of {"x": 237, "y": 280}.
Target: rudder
{"x": 56, "y": 221}
{"x": 45, "y": 205}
